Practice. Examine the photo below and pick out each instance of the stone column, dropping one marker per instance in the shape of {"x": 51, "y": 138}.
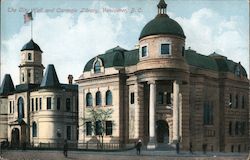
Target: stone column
{"x": 152, "y": 102}
{"x": 176, "y": 111}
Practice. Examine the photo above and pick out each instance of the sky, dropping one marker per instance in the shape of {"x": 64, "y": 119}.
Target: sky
{"x": 71, "y": 32}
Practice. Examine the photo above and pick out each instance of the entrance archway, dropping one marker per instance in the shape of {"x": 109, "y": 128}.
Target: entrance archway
{"x": 15, "y": 137}
{"x": 162, "y": 130}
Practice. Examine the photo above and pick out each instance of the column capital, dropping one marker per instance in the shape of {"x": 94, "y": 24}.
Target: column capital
{"x": 151, "y": 82}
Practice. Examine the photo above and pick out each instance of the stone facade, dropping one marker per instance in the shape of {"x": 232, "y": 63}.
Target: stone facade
{"x": 39, "y": 109}
{"x": 169, "y": 95}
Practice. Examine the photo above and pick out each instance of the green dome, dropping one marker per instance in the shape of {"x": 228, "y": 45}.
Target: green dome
{"x": 162, "y": 24}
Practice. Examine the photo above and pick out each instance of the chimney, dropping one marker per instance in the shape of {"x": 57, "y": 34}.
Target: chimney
{"x": 70, "y": 79}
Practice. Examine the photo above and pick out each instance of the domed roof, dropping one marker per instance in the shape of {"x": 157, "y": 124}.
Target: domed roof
{"x": 162, "y": 24}
{"x": 31, "y": 45}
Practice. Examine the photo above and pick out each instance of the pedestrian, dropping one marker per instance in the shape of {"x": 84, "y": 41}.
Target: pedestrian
{"x": 65, "y": 148}
{"x": 177, "y": 147}
{"x": 138, "y": 147}
{"x": 191, "y": 148}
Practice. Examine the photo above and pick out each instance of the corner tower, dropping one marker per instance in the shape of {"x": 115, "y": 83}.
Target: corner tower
{"x": 31, "y": 67}
{"x": 162, "y": 42}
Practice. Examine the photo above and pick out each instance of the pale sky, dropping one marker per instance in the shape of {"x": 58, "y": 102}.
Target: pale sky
{"x": 71, "y": 32}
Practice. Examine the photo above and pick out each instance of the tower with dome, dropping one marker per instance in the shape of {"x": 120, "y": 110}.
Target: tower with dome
{"x": 165, "y": 94}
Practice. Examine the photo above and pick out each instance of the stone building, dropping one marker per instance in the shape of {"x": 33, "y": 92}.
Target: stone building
{"x": 40, "y": 109}
{"x": 164, "y": 94}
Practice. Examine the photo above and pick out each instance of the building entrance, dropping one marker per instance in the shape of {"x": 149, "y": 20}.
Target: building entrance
{"x": 162, "y": 130}
{"x": 15, "y": 137}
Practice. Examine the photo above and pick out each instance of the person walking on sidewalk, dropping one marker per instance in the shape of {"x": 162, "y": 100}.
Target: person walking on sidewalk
{"x": 65, "y": 148}
{"x": 138, "y": 147}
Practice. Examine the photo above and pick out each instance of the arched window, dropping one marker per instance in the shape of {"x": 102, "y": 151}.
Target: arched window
{"x": 89, "y": 99}
{"x": 97, "y": 67}
{"x": 34, "y": 129}
{"x": 20, "y": 104}
{"x": 29, "y": 56}
{"x": 98, "y": 98}
{"x": 108, "y": 97}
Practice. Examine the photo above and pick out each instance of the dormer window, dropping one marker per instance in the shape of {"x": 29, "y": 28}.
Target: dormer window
{"x": 165, "y": 49}
{"x": 97, "y": 66}
{"x": 237, "y": 71}
{"x": 29, "y": 57}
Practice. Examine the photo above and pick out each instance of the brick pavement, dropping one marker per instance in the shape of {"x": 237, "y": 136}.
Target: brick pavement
{"x": 131, "y": 155}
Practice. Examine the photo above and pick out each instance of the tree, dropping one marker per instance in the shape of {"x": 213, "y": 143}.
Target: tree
{"x": 97, "y": 118}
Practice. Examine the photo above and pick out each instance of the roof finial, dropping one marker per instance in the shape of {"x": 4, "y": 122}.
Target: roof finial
{"x": 162, "y": 7}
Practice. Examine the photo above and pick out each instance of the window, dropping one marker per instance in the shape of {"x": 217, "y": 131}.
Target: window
{"x": 29, "y": 56}
{"x": 242, "y": 128}
{"x": 239, "y": 148}
{"x": 88, "y": 128}
{"x": 97, "y": 67}
{"x": 36, "y": 104}
{"x": 183, "y": 51}
{"x": 98, "y": 98}
{"x": 232, "y": 148}
{"x": 40, "y": 103}
{"x": 160, "y": 98}
{"x": 230, "y": 128}
{"x": 109, "y": 128}
{"x": 236, "y": 128}
{"x": 68, "y": 132}
{"x": 34, "y": 129}
{"x": 168, "y": 98}
{"x": 32, "y": 104}
{"x": 89, "y": 99}
{"x": 208, "y": 113}
{"x": 29, "y": 74}
{"x": 98, "y": 128}
{"x": 48, "y": 102}
{"x": 237, "y": 71}
{"x": 230, "y": 100}
{"x": 144, "y": 51}
{"x": 20, "y": 108}
{"x": 236, "y": 101}
{"x": 68, "y": 105}
{"x": 23, "y": 77}
{"x": 108, "y": 98}
{"x": 132, "y": 98}
{"x": 58, "y": 103}
{"x": 10, "y": 107}
{"x": 165, "y": 49}
{"x": 243, "y": 102}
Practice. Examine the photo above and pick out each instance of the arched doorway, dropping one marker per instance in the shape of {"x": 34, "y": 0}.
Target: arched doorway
{"x": 162, "y": 130}
{"x": 15, "y": 137}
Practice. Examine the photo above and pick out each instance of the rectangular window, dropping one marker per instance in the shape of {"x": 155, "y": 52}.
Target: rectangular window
{"x": 208, "y": 113}
{"x": 230, "y": 100}
{"x": 88, "y": 128}
{"x": 36, "y": 104}
{"x": 68, "y": 107}
{"x": 109, "y": 128}
{"x": 183, "y": 51}
{"x": 168, "y": 98}
{"x": 230, "y": 128}
{"x": 144, "y": 51}
{"x": 10, "y": 107}
{"x": 68, "y": 132}
{"x": 32, "y": 104}
{"x": 58, "y": 103}
{"x": 160, "y": 98}
{"x": 242, "y": 102}
{"x": 132, "y": 98}
{"x": 165, "y": 48}
{"x": 236, "y": 101}
{"x": 40, "y": 103}
{"x": 48, "y": 102}
{"x": 98, "y": 128}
